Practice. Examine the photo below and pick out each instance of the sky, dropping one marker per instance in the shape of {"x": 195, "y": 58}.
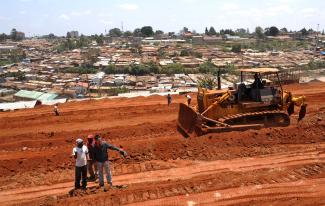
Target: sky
{"x": 40, "y": 17}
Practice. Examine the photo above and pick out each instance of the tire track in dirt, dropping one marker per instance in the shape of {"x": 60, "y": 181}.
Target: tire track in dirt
{"x": 192, "y": 171}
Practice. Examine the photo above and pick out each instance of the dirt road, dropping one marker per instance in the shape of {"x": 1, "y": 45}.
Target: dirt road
{"x": 279, "y": 166}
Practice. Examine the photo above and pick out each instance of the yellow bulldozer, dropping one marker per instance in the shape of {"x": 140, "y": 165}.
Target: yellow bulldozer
{"x": 247, "y": 105}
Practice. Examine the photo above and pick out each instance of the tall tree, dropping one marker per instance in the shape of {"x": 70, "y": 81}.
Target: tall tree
{"x": 206, "y": 31}
{"x": 159, "y": 32}
{"x": 272, "y": 31}
{"x": 304, "y": 32}
{"x": 185, "y": 30}
{"x": 115, "y": 32}
{"x": 127, "y": 34}
{"x": 13, "y": 34}
{"x": 284, "y": 30}
{"x": 212, "y": 31}
{"x": 259, "y": 32}
{"x": 147, "y": 31}
{"x": 137, "y": 32}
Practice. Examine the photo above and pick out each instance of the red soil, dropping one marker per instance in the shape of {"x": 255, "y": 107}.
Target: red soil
{"x": 278, "y": 166}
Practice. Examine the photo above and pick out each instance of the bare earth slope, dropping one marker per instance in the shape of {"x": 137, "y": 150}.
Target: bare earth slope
{"x": 278, "y": 166}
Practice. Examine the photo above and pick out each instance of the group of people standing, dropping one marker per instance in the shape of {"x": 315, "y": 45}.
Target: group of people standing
{"x": 93, "y": 158}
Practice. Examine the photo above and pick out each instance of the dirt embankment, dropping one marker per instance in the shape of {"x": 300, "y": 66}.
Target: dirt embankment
{"x": 279, "y": 166}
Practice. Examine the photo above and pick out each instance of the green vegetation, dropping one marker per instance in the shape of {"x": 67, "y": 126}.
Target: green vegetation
{"x": 117, "y": 90}
{"x": 236, "y": 48}
{"x": 71, "y": 44}
{"x": 313, "y": 65}
{"x": 20, "y": 76}
{"x": 12, "y": 56}
{"x": 207, "y": 81}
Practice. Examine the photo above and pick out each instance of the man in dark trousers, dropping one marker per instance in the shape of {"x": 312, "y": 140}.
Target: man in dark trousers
{"x": 80, "y": 153}
{"x": 56, "y": 110}
{"x": 101, "y": 156}
{"x": 169, "y": 99}
{"x": 92, "y": 165}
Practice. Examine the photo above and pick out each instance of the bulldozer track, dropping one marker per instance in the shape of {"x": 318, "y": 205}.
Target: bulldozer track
{"x": 122, "y": 169}
{"x": 209, "y": 183}
{"x": 231, "y": 118}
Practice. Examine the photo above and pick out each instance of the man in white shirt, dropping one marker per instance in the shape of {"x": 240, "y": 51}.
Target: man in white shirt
{"x": 80, "y": 153}
{"x": 189, "y": 98}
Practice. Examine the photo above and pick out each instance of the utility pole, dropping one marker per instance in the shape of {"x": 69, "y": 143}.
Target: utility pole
{"x": 316, "y": 44}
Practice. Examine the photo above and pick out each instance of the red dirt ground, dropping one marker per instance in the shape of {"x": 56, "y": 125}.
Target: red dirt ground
{"x": 272, "y": 166}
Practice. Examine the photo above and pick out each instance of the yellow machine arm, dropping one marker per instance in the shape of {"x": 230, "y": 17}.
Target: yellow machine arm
{"x": 217, "y": 101}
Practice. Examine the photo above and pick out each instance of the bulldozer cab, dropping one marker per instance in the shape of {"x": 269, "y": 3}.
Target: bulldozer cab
{"x": 259, "y": 85}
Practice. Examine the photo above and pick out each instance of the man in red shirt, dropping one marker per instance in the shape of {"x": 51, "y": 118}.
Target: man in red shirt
{"x": 92, "y": 165}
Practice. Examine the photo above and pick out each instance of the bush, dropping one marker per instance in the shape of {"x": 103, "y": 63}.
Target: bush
{"x": 207, "y": 81}
{"x": 236, "y": 48}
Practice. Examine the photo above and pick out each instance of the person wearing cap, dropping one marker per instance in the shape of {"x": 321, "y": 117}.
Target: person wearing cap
{"x": 80, "y": 153}
{"x": 101, "y": 156}
{"x": 92, "y": 166}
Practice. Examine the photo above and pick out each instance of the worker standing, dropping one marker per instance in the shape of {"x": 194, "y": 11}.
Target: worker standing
{"x": 92, "y": 165}
{"x": 189, "y": 98}
{"x": 56, "y": 110}
{"x": 80, "y": 153}
{"x": 101, "y": 156}
{"x": 169, "y": 99}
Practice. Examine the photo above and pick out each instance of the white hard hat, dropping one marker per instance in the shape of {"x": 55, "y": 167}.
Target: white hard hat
{"x": 79, "y": 141}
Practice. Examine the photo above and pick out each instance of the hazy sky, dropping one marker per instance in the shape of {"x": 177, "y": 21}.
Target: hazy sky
{"x": 94, "y": 16}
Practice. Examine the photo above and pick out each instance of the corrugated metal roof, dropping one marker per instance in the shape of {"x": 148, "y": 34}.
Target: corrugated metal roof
{"x": 53, "y": 102}
{"x": 36, "y": 95}
{"x": 28, "y": 94}
{"x": 260, "y": 70}
{"x": 47, "y": 97}
{"x": 17, "y": 105}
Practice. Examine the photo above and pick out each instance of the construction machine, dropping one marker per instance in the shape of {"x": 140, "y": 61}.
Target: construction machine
{"x": 248, "y": 105}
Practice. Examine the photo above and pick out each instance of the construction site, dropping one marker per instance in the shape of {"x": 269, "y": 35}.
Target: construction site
{"x": 265, "y": 166}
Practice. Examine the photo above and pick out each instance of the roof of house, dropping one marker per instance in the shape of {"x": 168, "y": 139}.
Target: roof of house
{"x": 47, "y": 97}
{"x": 260, "y": 70}
{"x": 17, "y": 105}
{"x": 28, "y": 94}
{"x": 36, "y": 95}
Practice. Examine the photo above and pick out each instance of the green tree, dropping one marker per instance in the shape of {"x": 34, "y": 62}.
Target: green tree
{"x": 207, "y": 81}
{"x": 3, "y": 37}
{"x": 284, "y": 30}
{"x": 207, "y": 67}
{"x": 68, "y": 35}
{"x": 304, "y": 32}
{"x": 212, "y": 31}
{"x": 147, "y": 31}
{"x": 13, "y": 34}
{"x": 152, "y": 67}
{"x": 110, "y": 69}
{"x": 185, "y": 52}
{"x": 236, "y": 48}
{"x": 137, "y": 32}
{"x": 127, "y": 34}
{"x": 259, "y": 32}
{"x": 272, "y": 31}
{"x": 115, "y": 32}
{"x": 206, "y": 31}
{"x": 159, "y": 32}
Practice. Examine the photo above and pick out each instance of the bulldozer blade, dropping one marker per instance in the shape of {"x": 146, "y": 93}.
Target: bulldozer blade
{"x": 188, "y": 122}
